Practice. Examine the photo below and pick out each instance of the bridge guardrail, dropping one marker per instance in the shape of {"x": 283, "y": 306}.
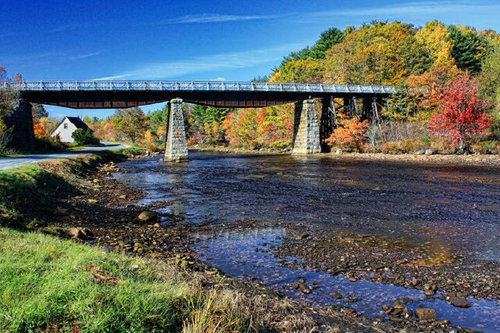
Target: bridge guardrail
{"x": 193, "y": 86}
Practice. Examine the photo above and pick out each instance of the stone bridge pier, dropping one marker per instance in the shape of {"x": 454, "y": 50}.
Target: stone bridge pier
{"x": 306, "y": 136}
{"x": 176, "y": 145}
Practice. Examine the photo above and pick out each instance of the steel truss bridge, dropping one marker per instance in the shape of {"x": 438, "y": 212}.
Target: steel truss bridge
{"x": 122, "y": 94}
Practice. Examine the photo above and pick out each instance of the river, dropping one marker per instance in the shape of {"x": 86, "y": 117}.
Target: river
{"x": 454, "y": 205}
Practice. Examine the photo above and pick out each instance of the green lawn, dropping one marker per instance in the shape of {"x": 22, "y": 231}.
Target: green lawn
{"x": 46, "y": 281}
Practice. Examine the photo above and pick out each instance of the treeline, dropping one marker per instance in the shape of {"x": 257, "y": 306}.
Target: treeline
{"x": 458, "y": 66}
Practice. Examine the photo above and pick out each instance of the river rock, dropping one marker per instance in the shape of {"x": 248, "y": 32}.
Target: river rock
{"x": 305, "y": 289}
{"x": 337, "y": 294}
{"x": 429, "y": 290}
{"x": 147, "y": 216}
{"x": 426, "y": 314}
{"x": 429, "y": 152}
{"x": 458, "y": 301}
{"x": 79, "y": 233}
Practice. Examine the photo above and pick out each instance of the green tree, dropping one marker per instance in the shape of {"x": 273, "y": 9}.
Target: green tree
{"x": 326, "y": 40}
{"x": 490, "y": 76}
{"x": 130, "y": 123}
{"x": 84, "y": 137}
{"x": 402, "y": 105}
{"x": 38, "y": 111}
{"x": 469, "y": 48}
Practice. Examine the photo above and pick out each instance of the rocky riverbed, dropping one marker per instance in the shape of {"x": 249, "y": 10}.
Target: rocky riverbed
{"x": 124, "y": 218}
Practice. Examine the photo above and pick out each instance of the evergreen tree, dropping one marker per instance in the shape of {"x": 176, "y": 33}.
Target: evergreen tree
{"x": 468, "y": 48}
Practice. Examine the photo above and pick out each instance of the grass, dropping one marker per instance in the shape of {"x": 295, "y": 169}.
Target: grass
{"x": 48, "y": 282}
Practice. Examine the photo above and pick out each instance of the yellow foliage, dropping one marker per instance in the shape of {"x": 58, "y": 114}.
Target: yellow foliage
{"x": 436, "y": 39}
{"x": 308, "y": 70}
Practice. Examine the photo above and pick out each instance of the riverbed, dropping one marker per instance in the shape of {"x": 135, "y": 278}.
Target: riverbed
{"x": 455, "y": 208}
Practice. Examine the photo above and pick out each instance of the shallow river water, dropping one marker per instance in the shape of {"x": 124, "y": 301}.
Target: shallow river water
{"x": 454, "y": 205}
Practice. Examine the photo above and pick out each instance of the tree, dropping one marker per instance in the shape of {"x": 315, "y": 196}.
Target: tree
{"x": 350, "y": 133}
{"x": 469, "y": 48}
{"x": 130, "y": 123}
{"x": 206, "y": 123}
{"x": 490, "y": 76}
{"x": 461, "y": 113}
{"x": 376, "y": 54}
{"x": 403, "y": 105}
{"x": 84, "y": 137}
{"x": 308, "y": 70}
{"x": 326, "y": 40}
{"x": 38, "y": 111}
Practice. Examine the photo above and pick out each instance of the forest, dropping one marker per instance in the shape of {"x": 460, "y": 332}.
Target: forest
{"x": 447, "y": 98}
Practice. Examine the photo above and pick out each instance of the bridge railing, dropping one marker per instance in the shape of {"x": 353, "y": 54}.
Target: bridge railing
{"x": 193, "y": 86}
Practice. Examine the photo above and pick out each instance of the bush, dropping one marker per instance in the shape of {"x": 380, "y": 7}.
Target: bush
{"x": 85, "y": 137}
{"x": 43, "y": 144}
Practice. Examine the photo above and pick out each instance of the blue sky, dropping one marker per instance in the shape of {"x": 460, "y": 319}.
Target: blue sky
{"x": 190, "y": 40}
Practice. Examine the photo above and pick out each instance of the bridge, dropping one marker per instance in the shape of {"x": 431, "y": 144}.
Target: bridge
{"x": 310, "y": 99}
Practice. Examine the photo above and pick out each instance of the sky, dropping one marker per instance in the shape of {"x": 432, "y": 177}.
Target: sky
{"x": 190, "y": 40}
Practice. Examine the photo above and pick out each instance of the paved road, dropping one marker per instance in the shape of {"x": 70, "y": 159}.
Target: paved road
{"x": 11, "y": 162}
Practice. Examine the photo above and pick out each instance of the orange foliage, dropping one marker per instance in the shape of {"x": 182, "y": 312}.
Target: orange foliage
{"x": 39, "y": 130}
{"x": 350, "y": 133}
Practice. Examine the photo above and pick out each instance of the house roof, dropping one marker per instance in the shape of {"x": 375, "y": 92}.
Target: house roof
{"x": 78, "y": 122}
{"x": 75, "y": 121}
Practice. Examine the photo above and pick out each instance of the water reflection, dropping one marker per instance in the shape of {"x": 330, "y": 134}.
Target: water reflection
{"x": 247, "y": 255}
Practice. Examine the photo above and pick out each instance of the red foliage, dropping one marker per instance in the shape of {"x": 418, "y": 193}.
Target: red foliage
{"x": 461, "y": 112}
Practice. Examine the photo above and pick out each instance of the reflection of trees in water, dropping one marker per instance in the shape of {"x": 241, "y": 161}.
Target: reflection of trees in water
{"x": 177, "y": 179}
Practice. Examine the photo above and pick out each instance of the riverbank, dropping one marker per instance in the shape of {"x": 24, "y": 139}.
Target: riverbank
{"x": 483, "y": 160}
{"x": 77, "y": 287}
{"x": 434, "y": 159}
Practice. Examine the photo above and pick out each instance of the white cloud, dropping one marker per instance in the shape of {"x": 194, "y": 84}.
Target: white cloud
{"x": 213, "y": 18}
{"x": 208, "y": 63}
{"x": 85, "y": 55}
{"x": 427, "y": 8}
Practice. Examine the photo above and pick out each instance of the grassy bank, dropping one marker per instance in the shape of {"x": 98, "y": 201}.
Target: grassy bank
{"x": 29, "y": 193}
{"x": 49, "y": 283}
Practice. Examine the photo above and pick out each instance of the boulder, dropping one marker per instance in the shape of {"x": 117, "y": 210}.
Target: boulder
{"x": 426, "y": 314}
{"x": 147, "y": 216}
{"x": 458, "y": 301}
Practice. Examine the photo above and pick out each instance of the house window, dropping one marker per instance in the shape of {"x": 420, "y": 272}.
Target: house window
{"x": 65, "y": 126}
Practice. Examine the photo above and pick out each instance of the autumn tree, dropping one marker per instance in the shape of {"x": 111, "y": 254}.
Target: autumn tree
{"x": 130, "y": 123}
{"x": 462, "y": 114}
{"x": 351, "y": 133}
{"x": 375, "y": 54}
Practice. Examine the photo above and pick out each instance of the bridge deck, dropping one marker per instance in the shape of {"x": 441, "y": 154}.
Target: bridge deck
{"x": 113, "y": 94}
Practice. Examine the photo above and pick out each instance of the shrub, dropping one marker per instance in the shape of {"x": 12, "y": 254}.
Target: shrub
{"x": 84, "y": 137}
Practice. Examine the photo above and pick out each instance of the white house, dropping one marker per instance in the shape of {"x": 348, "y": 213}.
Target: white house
{"x": 66, "y": 128}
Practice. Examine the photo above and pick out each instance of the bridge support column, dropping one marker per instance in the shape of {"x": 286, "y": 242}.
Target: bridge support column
{"x": 176, "y": 146}
{"x": 306, "y": 138}
{"x": 327, "y": 123}
{"x": 21, "y": 121}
